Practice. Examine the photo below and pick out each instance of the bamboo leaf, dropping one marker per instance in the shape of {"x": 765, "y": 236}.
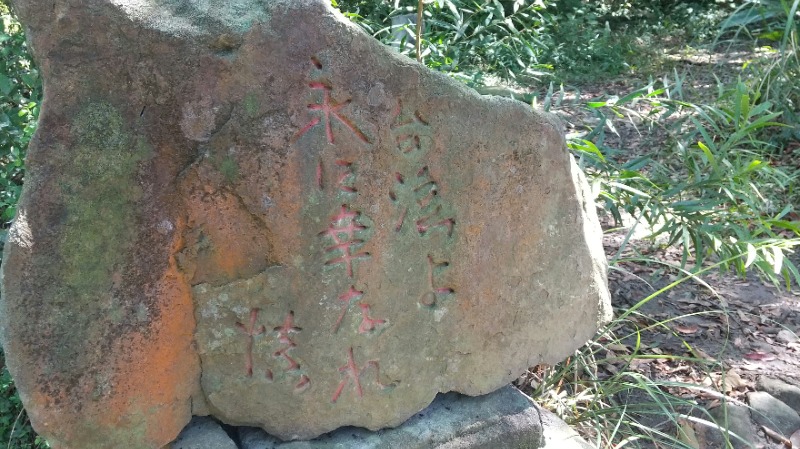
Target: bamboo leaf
{"x": 751, "y": 255}
{"x": 777, "y": 261}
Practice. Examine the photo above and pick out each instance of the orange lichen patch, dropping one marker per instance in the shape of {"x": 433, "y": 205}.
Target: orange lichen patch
{"x": 156, "y": 374}
{"x": 226, "y": 241}
{"x": 46, "y": 416}
{"x": 472, "y": 232}
{"x": 139, "y": 396}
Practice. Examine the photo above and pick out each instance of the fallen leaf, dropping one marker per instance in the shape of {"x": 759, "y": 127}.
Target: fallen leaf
{"x": 638, "y": 364}
{"x": 747, "y": 366}
{"x": 610, "y": 368}
{"x": 786, "y": 336}
{"x": 690, "y": 329}
{"x": 618, "y": 348}
{"x": 709, "y": 324}
{"x": 700, "y": 354}
{"x": 758, "y": 355}
{"x": 733, "y": 381}
{"x": 738, "y": 303}
{"x": 678, "y": 369}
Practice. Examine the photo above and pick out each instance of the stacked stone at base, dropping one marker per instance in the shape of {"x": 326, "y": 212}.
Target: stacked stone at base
{"x": 504, "y": 419}
{"x": 253, "y": 210}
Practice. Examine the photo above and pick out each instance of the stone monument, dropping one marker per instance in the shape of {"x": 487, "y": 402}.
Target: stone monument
{"x": 252, "y": 210}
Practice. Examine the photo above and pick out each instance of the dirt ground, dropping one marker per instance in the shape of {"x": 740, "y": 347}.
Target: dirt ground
{"x": 726, "y": 330}
{"x": 748, "y": 325}
{"x": 745, "y": 326}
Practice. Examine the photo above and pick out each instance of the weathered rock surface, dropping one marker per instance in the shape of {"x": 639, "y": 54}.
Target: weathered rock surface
{"x": 203, "y": 433}
{"x": 787, "y": 393}
{"x": 735, "y": 428}
{"x": 503, "y": 419}
{"x": 770, "y": 412}
{"x": 332, "y": 232}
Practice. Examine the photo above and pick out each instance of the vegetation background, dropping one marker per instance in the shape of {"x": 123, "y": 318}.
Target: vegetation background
{"x": 684, "y": 115}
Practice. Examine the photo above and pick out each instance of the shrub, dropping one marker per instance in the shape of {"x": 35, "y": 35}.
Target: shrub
{"x": 712, "y": 191}
{"x": 20, "y": 94}
{"x": 776, "y": 77}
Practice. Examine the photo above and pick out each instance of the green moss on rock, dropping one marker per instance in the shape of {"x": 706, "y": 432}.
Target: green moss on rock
{"x": 229, "y": 169}
{"x": 100, "y": 192}
{"x": 251, "y": 105}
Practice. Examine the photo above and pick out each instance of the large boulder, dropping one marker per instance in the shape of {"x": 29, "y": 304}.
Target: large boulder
{"x": 251, "y": 209}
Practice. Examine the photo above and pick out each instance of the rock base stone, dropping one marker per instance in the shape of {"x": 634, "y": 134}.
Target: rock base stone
{"x": 504, "y": 419}
{"x": 203, "y": 433}
{"x": 735, "y": 427}
{"x": 771, "y": 412}
{"x": 786, "y": 393}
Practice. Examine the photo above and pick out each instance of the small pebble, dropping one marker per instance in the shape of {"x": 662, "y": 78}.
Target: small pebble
{"x": 786, "y": 336}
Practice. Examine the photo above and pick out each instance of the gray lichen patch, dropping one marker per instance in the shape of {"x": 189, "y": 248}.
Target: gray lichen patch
{"x": 195, "y": 17}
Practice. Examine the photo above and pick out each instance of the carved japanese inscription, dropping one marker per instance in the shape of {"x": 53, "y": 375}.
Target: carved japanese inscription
{"x": 375, "y": 263}
{"x": 328, "y": 111}
{"x": 250, "y": 332}
{"x": 282, "y": 335}
{"x": 352, "y": 375}
{"x": 343, "y": 232}
{"x": 291, "y": 365}
{"x": 416, "y": 194}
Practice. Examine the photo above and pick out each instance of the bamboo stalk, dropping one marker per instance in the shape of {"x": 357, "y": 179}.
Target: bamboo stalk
{"x": 418, "y": 42}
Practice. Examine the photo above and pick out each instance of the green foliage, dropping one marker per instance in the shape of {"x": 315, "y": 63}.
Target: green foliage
{"x": 773, "y": 20}
{"x": 601, "y": 391}
{"x": 617, "y": 409}
{"x": 522, "y": 41}
{"x": 716, "y": 194}
{"x": 486, "y": 37}
{"x": 20, "y": 94}
{"x": 776, "y": 76}
{"x": 467, "y": 37}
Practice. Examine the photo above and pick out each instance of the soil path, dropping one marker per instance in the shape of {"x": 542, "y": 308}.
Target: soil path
{"x": 727, "y": 331}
